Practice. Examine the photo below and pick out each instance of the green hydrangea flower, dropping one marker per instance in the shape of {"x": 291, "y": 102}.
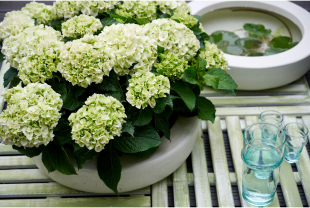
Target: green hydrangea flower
{"x": 86, "y": 60}
{"x": 144, "y": 88}
{"x": 171, "y": 66}
{"x": 174, "y": 37}
{"x": 180, "y": 5}
{"x": 39, "y": 67}
{"x": 79, "y": 26}
{"x": 14, "y": 23}
{"x": 93, "y": 8}
{"x": 214, "y": 56}
{"x": 15, "y": 48}
{"x": 137, "y": 9}
{"x": 133, "y": 50}
{"x": 65, "y": 9}
{"x": 97, "y": 122}
{"x": 31, "y": 115}
{"x": 40, "y": 11}
{"x": 184, "y": 18}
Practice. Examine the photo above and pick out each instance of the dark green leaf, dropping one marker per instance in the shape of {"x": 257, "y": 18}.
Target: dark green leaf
{"x": 61, "y": 89}
{"x": 140, "y": 117}
{"x": 185, "y": 92}
{"x": 9, "y": 75}
{"x": 130, "y": 21}
{"x": 16, "y": 80}
{"x": 83, "y": 154}
{"x": 59, "y": 159}
{"x": 68, "y": 39}
{"x": 249, "y": 43}
{"x": 116, "y": 16}
{"x": 160, "y": 15}
{"x": 167, "y": 112}
{"x": 197, "y": 17}
{"x": 171, "y": 11}
{"x": 108, "y": 22}
{"x": 256, "y": 31}
{"x": 206, "y": 110}
{"x": 63, "y": 132}
{"x": 225, "y": 80}
{"x": 2, "y": 57}
{"x": 29, "y": 152}
{"x": 212, "y": 81}
{"x": 160, "y": 49}
{"x": 57, "y": 22}
{"x": 146, "y": 153}
{"x": 129, "y": 128}
{"x": 109, "y": 168}
{"x": 190, "y": 76}
{"x": 161, "y": 104}
{"x": 145, "y": 138}
{"x": 272, "y": 51}
{"x": 72, "y": 100}
{"x": 47, "y": 162}
{"x": 255, "y": 54}
{"x": 161, "y": 124}
{"x": 234, "y": 50}
{"x": 223, "y": 38}
{"x": 35, "y": 22}
{"x": 142, "y": 21}
{"x": 281, "y": 42}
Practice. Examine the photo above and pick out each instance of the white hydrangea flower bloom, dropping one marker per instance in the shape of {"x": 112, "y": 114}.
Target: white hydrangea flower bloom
{"x": 14, "y": 23}
{"x": 86, "y": 60}
{"x": 95, "y": 7}
{"x": 97, "y": 122}
{"x": 15, "y": 48}
{"x": 31, "y": 115}
{"x": 40, "y": 65}
{"x": 40, "y": 11}
{"x": 173, "y": 4}
{"x": 79, "y": 26}
{"x": 214, "y": 56}
{"x": 137, "y": 9}
{"x": 131, "y": 47}
{"x": 174, "y": 37}
{"x": 65, "y": 9}
{"x": 144, "y": 88}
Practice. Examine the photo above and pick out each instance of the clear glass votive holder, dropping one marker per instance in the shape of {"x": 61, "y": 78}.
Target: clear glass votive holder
{"x": 297, "y": 137}
{"x": 273, "y": 117}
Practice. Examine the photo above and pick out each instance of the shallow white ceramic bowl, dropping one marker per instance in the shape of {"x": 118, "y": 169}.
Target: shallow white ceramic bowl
{"x": 136, "y": 173}
{"x": 257, "y": 73}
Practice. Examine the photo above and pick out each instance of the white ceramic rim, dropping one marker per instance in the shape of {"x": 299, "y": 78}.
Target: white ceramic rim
{"x": 299, "y": 16}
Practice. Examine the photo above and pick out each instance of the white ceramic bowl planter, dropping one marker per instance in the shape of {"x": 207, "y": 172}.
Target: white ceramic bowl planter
{"x": 136, "y": 173}
{"x": 262, "y": 72}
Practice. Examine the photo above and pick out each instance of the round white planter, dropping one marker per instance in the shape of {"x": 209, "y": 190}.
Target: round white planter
{"x": 264, "y": 72}
{"x": 136, "y": 172}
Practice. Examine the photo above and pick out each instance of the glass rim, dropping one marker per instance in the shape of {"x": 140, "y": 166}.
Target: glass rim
{"x": 277, "y": 112}
{"x": 304, "y": 136}
{"x": 280, "y": 129}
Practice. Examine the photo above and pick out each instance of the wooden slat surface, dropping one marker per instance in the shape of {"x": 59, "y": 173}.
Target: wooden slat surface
{"x": 303, "y": 164}
{"x": 160, "y": 194}
{"x": 180, "y": 187}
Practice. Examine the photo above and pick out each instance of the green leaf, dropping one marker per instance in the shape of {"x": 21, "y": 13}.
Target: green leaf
{"x": 108, "y": 22}
{"x": 190, "y": 76}
{"x": 170, "y": 11}
{"x": 212, "y": 81}
{"x": 145, "y": 138}
{"x": 29, "y": 152}
{"x": 281, "y": 42}
{"x": 142, "y": 21}
{"x": 140, "y": 117}
{"x": 160, "y": 49}
{"x": 35, "y": 22}
{"x": 185, "y": 92}
{"x": 249, "y": 43}
{"x": 162, "y": 124}
{"x": 16, "y": 80}
{"x": 47, "y": 162}
{"x": 109, "y": 168}
{"x": 56, "y": 24}
{"x": 161, "y": 15}
{"x": 223, "y": 38}
{"x": 255, "y": 54}
{"x": 256, "y": 31}
{"x": 161, "y": 104}
{"x": 2, "y": 57}
{"x": 68, "y": 39}
{"x": 130, "y": 21}
{"x": 61, "y": 89}
{"x": 272, "y": 51}
{"x": 206, "y": 110}
{"x": 225, "y": 80}
{"x": 167, "y": 113}
{"x": 72, "y": 100}
{"x": 116, "y": 16}
{"x": 62, "y": 132}
{"x": 234, "y": 50}
{"x": 83, "y": 154}
{"x": 59, "y": 159}
{"x": 197, "y": 17}
{"x": 9, "y": 75}
{"x": 146, "y": 153}
{"x": 129, "y": 128}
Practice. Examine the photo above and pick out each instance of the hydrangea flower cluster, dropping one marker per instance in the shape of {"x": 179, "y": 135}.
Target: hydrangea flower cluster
{"x": 144, "y": 88}
{"x": 65, "y": 9}
{"x": 137, "y": 9}
{"x": 42, "y": 12}
{"x": 134, "y": 51}
{"x": 39, "y": 66}
{"x": 17, "y": 47}
{"x": 97, "y": 122}
{"x": 214, "y": 56}
{"x": 79, "y": 26}
{"x": 14, "y": 23}
{"x": 86, "y": 60}
{"x": 174, "y": 37}
{"x": 94, "y": 7}
{"x": 171, "y": 66}
{"x": 31, "y": 115}
{"x": 184, "y": 18}
{"x": 174, "y": 5}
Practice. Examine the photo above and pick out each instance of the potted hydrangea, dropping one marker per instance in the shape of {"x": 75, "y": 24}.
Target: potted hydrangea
{"x": 104, "y": 79}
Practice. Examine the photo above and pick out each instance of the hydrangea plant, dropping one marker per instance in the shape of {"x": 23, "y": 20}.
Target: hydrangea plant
{"x": 104, "y": 79}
